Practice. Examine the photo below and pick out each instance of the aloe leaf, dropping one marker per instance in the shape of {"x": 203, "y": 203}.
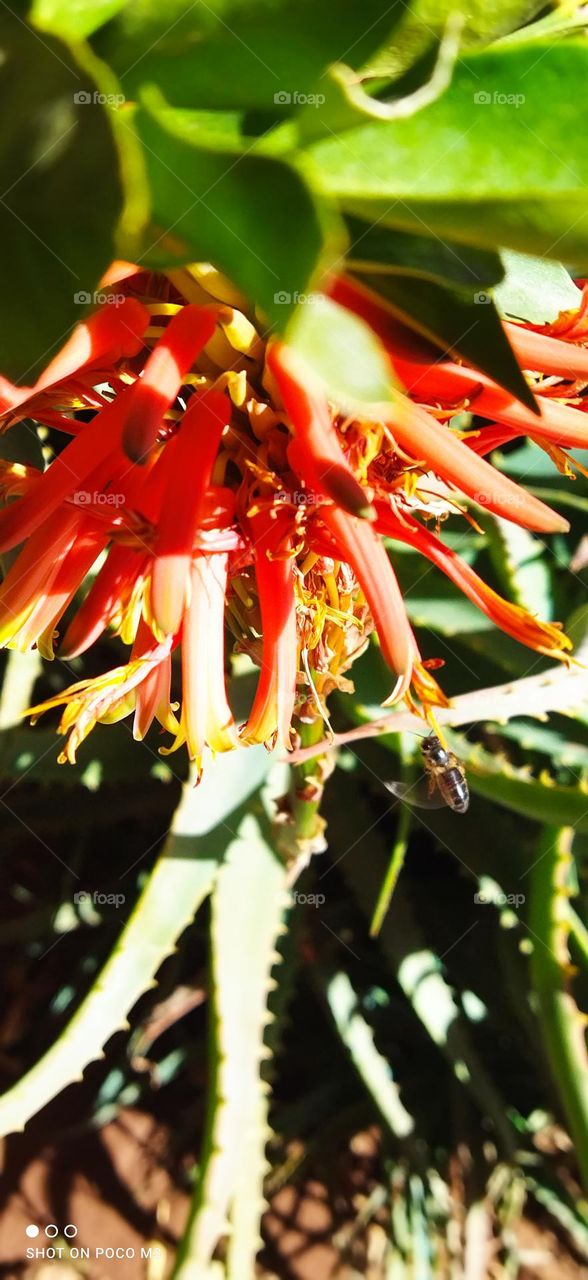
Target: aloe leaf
{"x": 249, "y": 902}
{"x": 563, "y": 1024}
{"x": 358, "y": 1039}
{"x": 523, "y": 573}
{"x": 539, "y": 798}
{"x": 182, "y": 877}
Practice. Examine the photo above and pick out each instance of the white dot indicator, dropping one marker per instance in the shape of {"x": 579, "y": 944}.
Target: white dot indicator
{"x": 52, "y": 1230}
{"x": 70, "y": 1231}
{"x": 31, "y": 1231}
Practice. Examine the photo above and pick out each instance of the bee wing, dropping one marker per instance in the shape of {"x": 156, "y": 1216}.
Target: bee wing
{"x": 416, "y": 794}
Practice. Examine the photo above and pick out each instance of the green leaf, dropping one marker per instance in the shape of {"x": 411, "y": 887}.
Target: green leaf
{"x": 548, "y": 742}
{"x": 540, "y": 799}
{"x": 426, "y": 20}
{"x": 524, "y": 575}
{"x": 249, "y": 902}
{"x": 534, "y": 289}
{"x": 342, "y": 349}
{"x": 256, "y": 56}
{"x": 60, "y": 195}
{"x": 447, "y": 171}
{"x": 562, "y": 1020}
{"x": 377, "y": 248}
{"x": 73, "y": 19}
{"x": 468, "y": 325}
{"x": 252, "y": 215}
{"x": 182, "y": 877}
{"x": 358, "y": 1039}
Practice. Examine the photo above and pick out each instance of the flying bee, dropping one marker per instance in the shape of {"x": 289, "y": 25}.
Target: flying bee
{"x": 446, "y": 780}
{"x": 446, "y": 773}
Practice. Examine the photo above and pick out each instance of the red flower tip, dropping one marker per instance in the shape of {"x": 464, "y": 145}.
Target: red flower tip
{"x": 325, "y": 466}
{"x": 165, "y": 371}
{"x": 195, "y": 449}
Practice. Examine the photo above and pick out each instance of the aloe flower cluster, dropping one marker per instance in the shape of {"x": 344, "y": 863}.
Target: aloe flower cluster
{"x": 204, "y": 484}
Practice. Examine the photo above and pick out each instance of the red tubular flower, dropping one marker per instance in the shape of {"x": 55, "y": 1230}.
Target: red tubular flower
{"x": 361, "y": 548}
{"x": 548, "y": 355}
{"x": 415, "y": 430}
{"x": 195, "y": 449}
{"x": 325, "y": 464}
{"x": 206, "y": 717}
{"x": 544, "y": 637}
{"x": 106, "y": 699}
{"x": 273, "y": 706}
{"x": 152, "y": 697}
{"x": 100, "y": 440}
{"x": 59, "y": 589}
{"x": 112, "y": 586}
{"x": 258, "y": 527}
{"x": 33, "y": 572}
{"x": 110, "y": 334}
{"x": 186, "y": 334}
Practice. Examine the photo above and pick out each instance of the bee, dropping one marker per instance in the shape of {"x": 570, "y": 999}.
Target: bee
{"x": 446, "y": 780}
{"x": 445, "y": 773}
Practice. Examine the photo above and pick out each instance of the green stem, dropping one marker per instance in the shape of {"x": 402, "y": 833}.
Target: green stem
{"x": 308, "y": 783}
{"x": 562, "y": 1021}
{"x": 395, "y": 866}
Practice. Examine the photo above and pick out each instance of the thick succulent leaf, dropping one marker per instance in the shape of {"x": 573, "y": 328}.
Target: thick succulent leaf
{"x": 261, "y": 56}
{"x": 534, "y": 289}
{"x": 249, "y": 902}
{"x": 539, "y": 798}
{"x": 426, "y": 20}
{"x": 429, "y": 174}
{"x": 358, "y": 1039}
{"x": 466, "y": 324}
{"x": 343, "y": 351}
{"x": 545, "y": 741}
{"x": 73, "y": 19}
{"x": 564, "y": 1024}
{"x": 524, "y": 574}
{"x": 202, "y": 830}
{"x": 377, "y": 248}
{"x": 60, "y": 240}
{"x": 211, "y": 203}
